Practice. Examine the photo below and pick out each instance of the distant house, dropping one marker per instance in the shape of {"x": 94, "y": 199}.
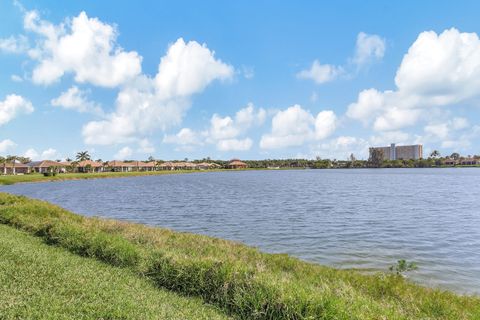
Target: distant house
{"x": 90, "y": 166}
{"x": 143, "y": 166}
{"x": 236, "y": 164}
{"x": 469, "y": 162}
{"x": 450, "y": 162}
{"x": 119, "y": 166}
{"x": 45, "y": 166}
{"x": 14, "y": 168}
{"x": 206, "y": 166}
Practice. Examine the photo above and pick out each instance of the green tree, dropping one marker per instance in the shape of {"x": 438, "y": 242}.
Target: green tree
{"x": 435, "y": 154}
{"x": 3, "y": 161}
{"x": 83, "y": 155}
{"x": 376, "y": 158}
{"x": 455, "y": 156}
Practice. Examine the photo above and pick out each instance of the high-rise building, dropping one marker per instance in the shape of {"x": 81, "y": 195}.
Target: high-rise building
{"x": 394, "y": 152}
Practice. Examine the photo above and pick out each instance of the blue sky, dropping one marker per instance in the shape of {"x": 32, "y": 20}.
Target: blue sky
{"x": 253, "y": 80}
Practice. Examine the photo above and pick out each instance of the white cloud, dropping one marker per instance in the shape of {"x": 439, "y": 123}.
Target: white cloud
{"x": 31, "y": 153}
{"x": 13, "y": 106}
{"x": 188, "y": 68}
{"x": 440, "y": 130}
{"x": 438, "y": 70}
{"x": 248, "y": 72}
{"x": 325, "y": 124}
{"x": 320, "y": 73}
{"x": 368, "y": 47}
{"x": 123, "y": 153}
{"x": 447, "y": 132}
{"x": 48, "y": 154}
{"x": 76, "y": 99}
{"x": 294, "y": 126}
{"x": 184, "y": 137}
{"x": 235, "y": 144}
{"x": 145, "y": 146}
{"x": 14, "y": 44}
{"x": 341, "y": 148}
{"x": 388, "y": 137}
{"x": 224, "y": 132}
{"x": 459, "y": 123}
{"x": 16, "y": 78}
{"x": 6, "y": 144}
{"x": 160, "y": 103}
{"x": 83, "y": 46}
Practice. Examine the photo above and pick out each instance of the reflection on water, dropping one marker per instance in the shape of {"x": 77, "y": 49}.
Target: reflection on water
{"x": 345, "y": 218}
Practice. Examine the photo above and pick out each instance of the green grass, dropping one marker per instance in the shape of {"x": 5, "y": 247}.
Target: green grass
{"x": 36, "y": 177}
{"x": 38, "y": 281}
{"x": 240, "y": 280}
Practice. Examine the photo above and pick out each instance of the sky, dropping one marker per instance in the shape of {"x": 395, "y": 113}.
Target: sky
{"x": 237, "y": 79}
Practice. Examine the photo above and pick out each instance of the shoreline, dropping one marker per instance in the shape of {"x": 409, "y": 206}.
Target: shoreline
{"x": 239, "y": 279}
{"x": 6, "y": 180}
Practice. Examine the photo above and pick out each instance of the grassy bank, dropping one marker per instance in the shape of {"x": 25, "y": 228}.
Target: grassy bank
{"x": 36, "y": 177}
{"x": 38, "y": 281}
{"x": 240, "y": 280}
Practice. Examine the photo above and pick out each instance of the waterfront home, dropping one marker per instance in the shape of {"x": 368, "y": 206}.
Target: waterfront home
{"x": 90, "y": 166}
{"x": 236, "y": 164}
{"x": 143, "y": 166}
{"x": 119, "y": 166}
{"x": 166, "y": 166}
{"x": 206, "y": 166}
{"x": 46, "y": 166}
{"x": 15, "y": 167}
{"x": 450, "y": 162}
{"x": 469, "y": 162}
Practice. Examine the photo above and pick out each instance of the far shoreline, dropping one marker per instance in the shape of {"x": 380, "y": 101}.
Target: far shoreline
{"x": 6, "y": 180}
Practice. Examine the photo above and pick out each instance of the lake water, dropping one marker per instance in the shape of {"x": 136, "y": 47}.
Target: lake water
{"x": 361, "y": 218}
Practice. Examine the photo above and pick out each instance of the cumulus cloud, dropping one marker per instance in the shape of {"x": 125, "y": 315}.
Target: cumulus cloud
{"x": 320, "y": 73}
{"x": 438, "y": 70}
{"x": 234, "y": 144}
{"x": 148, "y": 104}
{"x": 6, "y": 145}
{"x": 145, "y": 146}
{"x": 13, "y": 106}
{"x": 83, "y": 46}
{"x": 185, "y": 137}
{"x": 16, "y": 78}
{"x": 48, "y": 154}
{"x": 341, "y": 148}
{"x": 227, "y": 133}
{"x": 14, "y": 44}
{"x": 76, "y": 99}
{"x": 294, "y": 126}
{"x": 446, "y": 132}
{"x": 123, "y": 153}
{"x": 368, "y": 47}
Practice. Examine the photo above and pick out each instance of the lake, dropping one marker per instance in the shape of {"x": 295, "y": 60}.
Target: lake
{"x": 360, "y": 218}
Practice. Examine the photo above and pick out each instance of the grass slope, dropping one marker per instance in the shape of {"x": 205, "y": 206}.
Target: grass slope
{"x": 38, "y": 281}
{"x": 36, "y": 177}
{"x": 241, "y": 280}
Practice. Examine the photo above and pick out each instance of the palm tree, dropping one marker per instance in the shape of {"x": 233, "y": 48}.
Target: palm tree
{"x": 83, "y": 155}
{"x": 435, "y": 154}
{"x": 4, "y": 162}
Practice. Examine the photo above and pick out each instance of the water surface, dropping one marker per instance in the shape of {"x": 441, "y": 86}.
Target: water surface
{"x": 344, "y": 218}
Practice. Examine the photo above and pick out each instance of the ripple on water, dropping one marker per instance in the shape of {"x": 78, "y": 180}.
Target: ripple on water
{"x": 364, "y": 219}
